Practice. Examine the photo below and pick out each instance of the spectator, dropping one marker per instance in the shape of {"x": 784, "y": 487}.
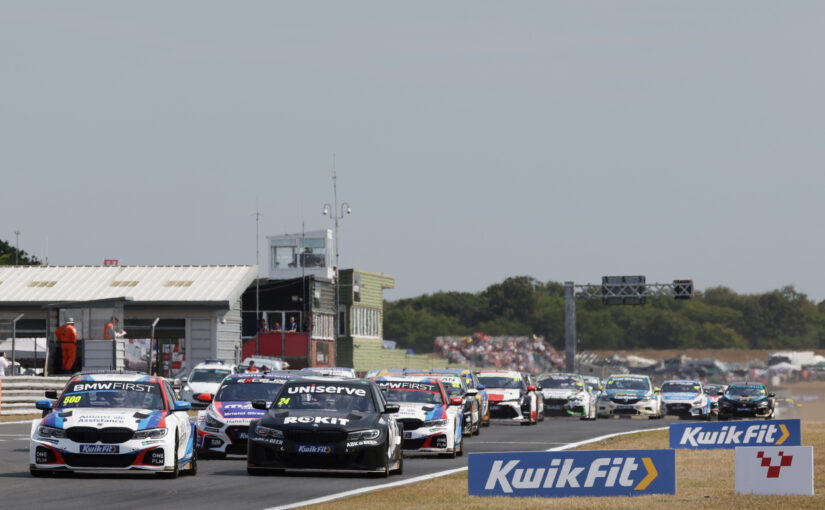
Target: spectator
{"x": 293, "y": 325}
{"x": 277, "y": 327}
{"x": 251, "y": 367}
{"x": 4, "y": 364}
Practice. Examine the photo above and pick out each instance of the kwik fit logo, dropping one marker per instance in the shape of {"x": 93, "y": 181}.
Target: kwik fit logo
{"x": 556, "y": 474}
{"x": 718, "y": 435}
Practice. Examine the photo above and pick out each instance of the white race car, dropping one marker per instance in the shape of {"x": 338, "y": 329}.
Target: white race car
{"x": 567, "y": 394}
{"x": 223, "y": 427}
{"x": 629, "y": 395}
{"x": 511, "y": 397}
{"x": 114, "y": 421}
{"x": 204, "y": 379}
{"x": 432, "y": 421}
{"x": 686, "y": 399}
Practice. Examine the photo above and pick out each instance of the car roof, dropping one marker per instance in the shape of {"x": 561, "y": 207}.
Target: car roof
{"x": 274, "y": 374}
{"x": 213, "y": 364}
{"x": 558, "y": 374}
{"x": 500, "y": 372}
{"x": 308, "y": 377}
{"x": 402, "y": 378}
{"x": 116, "y": 376}
{"x": 681, "y": 381}
{"x": 629, "y": 376}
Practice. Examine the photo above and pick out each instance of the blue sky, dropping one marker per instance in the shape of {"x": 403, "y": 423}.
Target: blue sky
{"x": 474, "y": 140}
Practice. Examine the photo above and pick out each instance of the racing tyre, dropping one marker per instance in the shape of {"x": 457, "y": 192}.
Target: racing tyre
{"x": 400, "y": 469}
{"x": 171, "y": 475}
{"x": 460, "y": 449}
{"x": 192, "y": 470}
{"x": 477, "y": 431}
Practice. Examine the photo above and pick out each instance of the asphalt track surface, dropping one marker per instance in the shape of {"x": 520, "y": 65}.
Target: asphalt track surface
{"x": 225, "y": 484}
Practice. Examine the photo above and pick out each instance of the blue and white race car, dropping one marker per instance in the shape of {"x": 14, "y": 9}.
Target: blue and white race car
{"x": 432, "y": 421}
{"x": 114, "y": 421}
{"x": 223, "y": 427}
{"x": 686, "y": 399}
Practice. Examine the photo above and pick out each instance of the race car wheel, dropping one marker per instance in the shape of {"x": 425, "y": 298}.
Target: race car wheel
{"x": 400, "y": 469}
{"x": 192, "y": 470}
{"x": 477, "y": 431}
{"x": 460, "y": 449}
{"x": 176, "y": 471}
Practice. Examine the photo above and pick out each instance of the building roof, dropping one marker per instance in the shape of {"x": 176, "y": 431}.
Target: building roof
{"x": 138, "y": 284}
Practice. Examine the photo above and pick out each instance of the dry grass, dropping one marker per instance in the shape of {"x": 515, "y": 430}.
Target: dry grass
{"x": 704, "y": 479}
{"x": 18, "y": 417}
{"x": 726, "y": 355}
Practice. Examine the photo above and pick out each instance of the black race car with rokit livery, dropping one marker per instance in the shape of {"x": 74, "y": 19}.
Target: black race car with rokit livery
{"x": 746, "y": 400}
{"x": 326, "y": 424}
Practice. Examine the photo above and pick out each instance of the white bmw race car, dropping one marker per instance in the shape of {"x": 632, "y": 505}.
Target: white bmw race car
{"x": 114, "y": 421}
{"x": 432, "y": 421}
{"x": 567, "y": 394}
{"x": 224, "y": 426}
{"x": 686, "y": 399}
{"x": 511, "y": 397}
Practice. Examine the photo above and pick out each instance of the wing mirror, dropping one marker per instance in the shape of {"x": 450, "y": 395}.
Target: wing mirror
{"x": 656, "y": 389}
{"x": 720, "y": 392}
{"x": 531, "y": 388}
{"x": 182, "y": 405}
{"x": 205, "y": 397}
{"x": 481, "y": 387}
{"x": 43, "y": 405}
{"x": 471, "y": 392}
{"x": 51, "y": 393}
{"x": 391, "y": 408}
{"x": 456, "y": 401}
{"x": 771, "y": 395}
{"x": 259, "y": 404}
{"x": 600, "y": 387}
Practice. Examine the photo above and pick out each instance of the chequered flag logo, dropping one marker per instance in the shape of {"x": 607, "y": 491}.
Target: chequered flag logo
{"x": 773, "y": 471}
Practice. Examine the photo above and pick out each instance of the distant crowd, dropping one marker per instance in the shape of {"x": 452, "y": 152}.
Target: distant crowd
{"x": 525, "y": 354}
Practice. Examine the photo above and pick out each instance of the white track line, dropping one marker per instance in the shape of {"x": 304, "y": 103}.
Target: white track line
{"x": 15, "y": 422}
{"x": 364, "y": 490}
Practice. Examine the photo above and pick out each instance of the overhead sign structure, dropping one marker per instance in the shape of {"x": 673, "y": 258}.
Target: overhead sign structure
{"x": 722, "y": 435}
{"x": 580, "y": 473}
{"x": 775, "y": 470}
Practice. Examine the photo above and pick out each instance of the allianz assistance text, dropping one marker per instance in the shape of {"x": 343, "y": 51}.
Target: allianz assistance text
{"x": 561, "y": 474}
{"x": 730, "y": 435}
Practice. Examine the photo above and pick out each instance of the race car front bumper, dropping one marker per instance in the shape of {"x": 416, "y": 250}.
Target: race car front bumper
{"x": 130, "y": 455}
{"x": 639, "y": 407}
{"x": 507, "y": 410}
{"x": 685, "y": 409}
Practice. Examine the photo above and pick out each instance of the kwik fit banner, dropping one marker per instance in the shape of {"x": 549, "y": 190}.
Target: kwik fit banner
{"x": 706, "y": 436}
{"x": 581, "y": 473}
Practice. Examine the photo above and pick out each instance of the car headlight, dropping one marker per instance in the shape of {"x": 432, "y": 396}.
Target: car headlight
{"x": 364, "y": 434}
{"x": 150, "y": 433}
{"x": 212, "y": 422}
{"x": 268, "y": 432}
{"x": 697, "y": 402}
{"x": 46, "y": 431}
{"x": 436, "y": 423}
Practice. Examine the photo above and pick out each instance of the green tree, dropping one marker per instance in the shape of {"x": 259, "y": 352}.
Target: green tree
{"x": 8, "y": 252}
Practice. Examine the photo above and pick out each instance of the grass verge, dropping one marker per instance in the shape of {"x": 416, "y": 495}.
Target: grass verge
{"x": 703, "y": 479}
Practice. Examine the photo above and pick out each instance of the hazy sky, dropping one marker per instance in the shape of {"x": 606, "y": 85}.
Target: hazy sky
{"x": 474, "y": 140}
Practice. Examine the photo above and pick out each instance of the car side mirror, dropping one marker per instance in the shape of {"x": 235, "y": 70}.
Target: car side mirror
{"x": 43, "y": 405}
{"x": 51, "y": 394}
{"x": 720, "y": 392}
{"x": 184, "y": 379}
{"x": 205, "y": 397}
{"x": 182, "y": 405}
{"x": 471, "y": 392}
{"x": 481, "y": 387}
{"x": 656, "y": 389}
{"x": 772, "y": 395}
{"x": 531, "y": 388}
{"x": 391, "y": 408}
{"x": 600, "y": 387}
{"x": 259, "y": 404}
{"x": 456, "y": 401}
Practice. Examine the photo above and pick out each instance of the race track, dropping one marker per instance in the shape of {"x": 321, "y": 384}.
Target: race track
{"x": 225, "y": 484}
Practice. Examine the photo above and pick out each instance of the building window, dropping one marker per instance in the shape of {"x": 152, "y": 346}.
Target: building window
{"x": 283, "y": 257}
{"x": 313, "y": 253}
{"x": 366, "y": 322}
{"x": 342, "y": 321}
{"x": 356, "y": 287}
{"x": 324, "y": 325}
{"x": 322, "y": 353}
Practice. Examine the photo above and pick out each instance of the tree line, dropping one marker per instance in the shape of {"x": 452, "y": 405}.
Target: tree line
{"x": 716, "y": 318}
{"x": 8, "y": 253}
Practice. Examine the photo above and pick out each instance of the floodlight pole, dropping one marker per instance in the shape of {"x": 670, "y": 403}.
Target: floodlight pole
{"x": 14, "y": 341}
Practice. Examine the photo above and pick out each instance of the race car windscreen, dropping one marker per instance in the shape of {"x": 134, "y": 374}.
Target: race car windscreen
{"x": 560, "y": 382}
{"x": 411, "y": 392}
{"x": 628, "y": 383}
{"x": 247, "y": 390}
{"x": 674, "y": 387}
{"x": 452, "y": 387}
{"x": 112, "y": 394}
{"x": 501, "y": 382}
{"x": 325, "y": 397}
{"x": 745, "y": 391}
{"x": 208, "y": 375}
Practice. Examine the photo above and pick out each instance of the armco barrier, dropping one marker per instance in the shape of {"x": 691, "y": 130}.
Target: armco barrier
{"x": 579, "y": 473}
{"x": 718, "y": 435}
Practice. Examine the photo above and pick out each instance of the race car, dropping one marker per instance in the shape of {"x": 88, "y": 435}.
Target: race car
{"x": 454, "y": 386}
{"x": 204, "y": 378}
{"x": 567, "y": 394}
{"x": 348, "y": 373}
{"x": 686, "y": 399}
{"x": 222, "y": 428}
{"x": 471, "y": 380}
{"x": 114, "y": 421}
{"x": 432, "y": 421}
{"x": 746, "y": 400}
{"x": 714, "y": 393}
{"x": 511, "y": 398}
{"x": 629, "y": 395}
{"x": 323, "y": 424}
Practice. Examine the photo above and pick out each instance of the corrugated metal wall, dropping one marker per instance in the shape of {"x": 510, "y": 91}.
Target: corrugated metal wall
{"x": 228, "y": 332}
